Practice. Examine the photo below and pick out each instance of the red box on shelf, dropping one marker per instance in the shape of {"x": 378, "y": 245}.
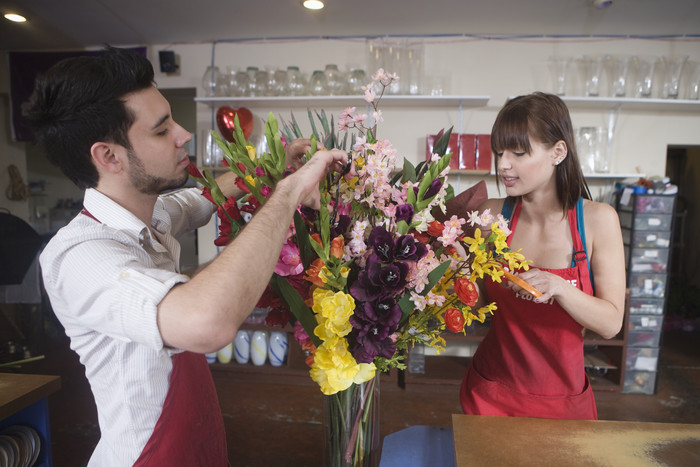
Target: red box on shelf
{"x": 483, "y": 152}
{"x": 467, "y": 152}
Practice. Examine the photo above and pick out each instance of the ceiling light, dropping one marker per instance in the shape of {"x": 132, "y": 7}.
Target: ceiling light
{"x": 602, "y": 4}
{"x": 15, "y": 17}
{"x": 313, "y": 4}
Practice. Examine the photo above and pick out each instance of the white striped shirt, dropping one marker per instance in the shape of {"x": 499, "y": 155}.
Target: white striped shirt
{"x": 105, "y": 280}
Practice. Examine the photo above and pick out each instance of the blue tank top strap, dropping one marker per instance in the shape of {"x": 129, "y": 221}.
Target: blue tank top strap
{"x": 582, "y": 233}
{"x": 508, "y": 206}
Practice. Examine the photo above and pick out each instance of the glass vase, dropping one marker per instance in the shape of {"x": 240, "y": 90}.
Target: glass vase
{"x": 351, "y": 419}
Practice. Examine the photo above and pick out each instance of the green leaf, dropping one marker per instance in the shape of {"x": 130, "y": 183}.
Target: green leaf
{"x": 306, "y": 251}
{"x": 409, "y": 172}
{"x": 440, "y": 147}
{"x": 297, "y": 306}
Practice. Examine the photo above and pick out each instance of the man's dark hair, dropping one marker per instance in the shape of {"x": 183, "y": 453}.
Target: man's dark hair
{"x": 80, "y": 101}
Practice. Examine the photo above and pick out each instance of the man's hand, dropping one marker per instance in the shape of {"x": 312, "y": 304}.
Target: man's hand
{"x": 295, "y": 151}
{"x": 307, "y": 178}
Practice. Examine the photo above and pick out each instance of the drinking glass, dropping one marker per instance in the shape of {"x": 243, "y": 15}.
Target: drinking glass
{"x": 672, "y": 69}
{"x": 642, "y": 69}
{"x": 617, "y": 67}
{"x": 559, "y": 67}
{"x": 694, "y": 80}
{"x": 592, "y": 67}
{"x": 413, "y": 74}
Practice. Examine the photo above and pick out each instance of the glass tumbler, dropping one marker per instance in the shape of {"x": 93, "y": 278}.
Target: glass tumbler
{"x": 672, "y": 70}
{"x": 617, "y": 67}
{"x": 354, "y": 82}
{"x": 642, "y": 69}
{"x": 592, "y": 67}
{"x": 559, "y": 66}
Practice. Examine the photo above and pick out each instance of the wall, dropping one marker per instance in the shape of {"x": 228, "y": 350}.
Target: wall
{"x": 11, "y": 153}
{"x": 496, "y": 68}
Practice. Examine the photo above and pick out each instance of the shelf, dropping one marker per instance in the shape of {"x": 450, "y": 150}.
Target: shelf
{"x": 348, "y": 101}
{"x": 608, "y": 103}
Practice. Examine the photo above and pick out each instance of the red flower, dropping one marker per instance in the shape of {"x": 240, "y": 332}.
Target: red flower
{"x": 421, "y": 237}
{"x": 241, "y": 184}
{"x": 466, "y": 291}
{"x": 454, "y": 320}
{"x": 206, "y": 192}
{"x": 194, "y": 171}
{"x": 278, "y": 316}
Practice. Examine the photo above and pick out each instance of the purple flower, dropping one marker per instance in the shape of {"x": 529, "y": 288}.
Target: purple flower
{"x": 432, "y": 190}
{"x": 340, "y": 226}
{"x": 408, "y": 249}
{"x": 366, "y": 348}
{"x": 404, "y": 212}
{"x": 384, "y": 313}
{"x": 391, "y": 277}
{"x": 382, "y": 242}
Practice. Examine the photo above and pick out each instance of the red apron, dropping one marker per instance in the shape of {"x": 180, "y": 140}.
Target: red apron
{"x": 530, "y": 364}
{"x": 190, "y": 430}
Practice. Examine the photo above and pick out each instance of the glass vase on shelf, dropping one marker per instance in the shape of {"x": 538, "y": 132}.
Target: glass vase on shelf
{"x": 317, "y": 84}
{"x": 213, "y": 82}
{"x": 354, "y": 82}
{"x": 296, "y": 85}
{"x": 334, "y": 80}
{"x": 351, "y": 420}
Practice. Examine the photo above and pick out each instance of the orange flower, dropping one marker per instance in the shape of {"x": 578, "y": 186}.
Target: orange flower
{"x": 435, "y": 228}
{"x": 466, "y": 291}
{"x": 317, "y": 238}
{"x": 313, "y": 274}
{"x": 337, "y": 245}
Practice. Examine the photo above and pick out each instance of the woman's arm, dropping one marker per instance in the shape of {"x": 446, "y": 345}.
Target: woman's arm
{"x": 602, "y": 313}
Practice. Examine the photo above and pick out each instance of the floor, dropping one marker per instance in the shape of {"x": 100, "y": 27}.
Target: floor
{"x": 273, "y": 424}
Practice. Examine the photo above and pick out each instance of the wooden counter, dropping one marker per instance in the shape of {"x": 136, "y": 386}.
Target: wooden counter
{"x": 20, "y": 391}
{"x": 493, "y": 441}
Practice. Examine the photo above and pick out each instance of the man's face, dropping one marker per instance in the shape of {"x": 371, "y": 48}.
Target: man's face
{"x": 158, "y": 159}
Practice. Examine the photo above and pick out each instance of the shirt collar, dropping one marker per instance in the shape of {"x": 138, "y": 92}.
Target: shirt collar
{"x": 111, "y": 213}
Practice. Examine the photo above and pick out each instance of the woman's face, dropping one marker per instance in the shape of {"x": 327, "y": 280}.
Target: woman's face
{"x": 523, "y": 172}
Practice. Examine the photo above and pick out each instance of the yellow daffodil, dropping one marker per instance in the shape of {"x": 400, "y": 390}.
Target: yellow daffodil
{"x": 251, "y": 152}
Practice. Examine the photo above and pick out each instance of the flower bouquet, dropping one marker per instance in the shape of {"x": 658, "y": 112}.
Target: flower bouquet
{"x": 370, "y": 274}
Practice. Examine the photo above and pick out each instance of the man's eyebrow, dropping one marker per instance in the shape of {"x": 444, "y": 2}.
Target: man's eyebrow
{"x": 162, "y": 120}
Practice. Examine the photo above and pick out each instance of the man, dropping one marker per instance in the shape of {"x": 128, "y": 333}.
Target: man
{"x": 139, "y": 326}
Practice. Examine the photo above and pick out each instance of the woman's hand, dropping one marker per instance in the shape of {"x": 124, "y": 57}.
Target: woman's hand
{"x": 548, "y": 284}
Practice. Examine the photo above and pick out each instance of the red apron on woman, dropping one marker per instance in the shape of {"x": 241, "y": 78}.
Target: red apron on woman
{"x": 530, "y": 364}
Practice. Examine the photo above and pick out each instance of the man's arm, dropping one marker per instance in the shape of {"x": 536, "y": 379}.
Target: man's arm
{"x": 204, "y": 314}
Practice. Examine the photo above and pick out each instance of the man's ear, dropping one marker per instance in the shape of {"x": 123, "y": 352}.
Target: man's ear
{"x": 105, "y": 157}
{"x": 560, "y": 152}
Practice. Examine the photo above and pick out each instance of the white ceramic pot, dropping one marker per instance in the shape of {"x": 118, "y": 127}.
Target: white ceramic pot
{"x": 277, "y": 348}
{"x": 241, "y": 346}
{"x": 211, "y": 357}
{"x": 258, "y": 348}
{"x": 224, "y": 355}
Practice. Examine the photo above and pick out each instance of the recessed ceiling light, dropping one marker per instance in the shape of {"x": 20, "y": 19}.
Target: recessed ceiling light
{"x": 313, "y": 4}
{"x": 15, "y": 17}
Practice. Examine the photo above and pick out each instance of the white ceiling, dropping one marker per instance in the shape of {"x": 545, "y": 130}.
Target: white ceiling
{"x": 77, "y": 24}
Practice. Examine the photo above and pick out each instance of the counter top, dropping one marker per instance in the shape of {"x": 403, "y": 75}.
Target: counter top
{"x": 513, "y": 441}
{"x": 18, "y": 391}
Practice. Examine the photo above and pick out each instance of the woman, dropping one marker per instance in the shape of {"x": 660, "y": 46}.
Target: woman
{"x": 530, "y": 364}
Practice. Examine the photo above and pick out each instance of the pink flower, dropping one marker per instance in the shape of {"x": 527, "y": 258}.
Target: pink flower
{"x": 289, "y": 262}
